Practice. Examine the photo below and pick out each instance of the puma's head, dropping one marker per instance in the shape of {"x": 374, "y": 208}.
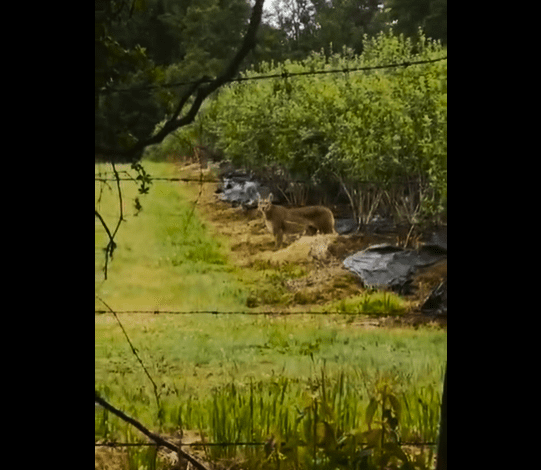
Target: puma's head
{"x": 263, "y": 205}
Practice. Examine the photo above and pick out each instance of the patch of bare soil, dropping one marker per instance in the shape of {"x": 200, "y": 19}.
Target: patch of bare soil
{"x": 107, "y": 458}
{"x": 321, "y": 256}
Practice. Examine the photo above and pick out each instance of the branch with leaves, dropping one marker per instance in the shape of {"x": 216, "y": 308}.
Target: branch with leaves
{"x": 144, "y": 179}
{"x": 111, "y": 245}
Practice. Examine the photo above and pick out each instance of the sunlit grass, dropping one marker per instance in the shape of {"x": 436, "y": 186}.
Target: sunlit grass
{"x": 166, "y": 258}
{"x": 370, "y": 303}
{"x": 191, "y": 356}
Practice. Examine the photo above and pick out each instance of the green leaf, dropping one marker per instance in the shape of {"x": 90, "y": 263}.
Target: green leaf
{"x": 391, "y": 448}
{"x": 325, "y": 436}
{"x": 373, "y": 437}
{"x": 370, "y": 411}
{"x": 397, "y": 407}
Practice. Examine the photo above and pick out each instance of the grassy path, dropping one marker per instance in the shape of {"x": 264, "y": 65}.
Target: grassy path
{"x": 166, "y": 258}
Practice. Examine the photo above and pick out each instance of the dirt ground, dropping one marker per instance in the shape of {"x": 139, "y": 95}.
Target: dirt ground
{"x": 321, "y": 255}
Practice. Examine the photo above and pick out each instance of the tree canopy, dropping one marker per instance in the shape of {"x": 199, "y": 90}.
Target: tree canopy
{"x": 145, "y": 48}
{"x": 154, "y": 58}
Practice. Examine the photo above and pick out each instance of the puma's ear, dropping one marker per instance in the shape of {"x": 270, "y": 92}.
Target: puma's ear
{"x": 270, "y": 197}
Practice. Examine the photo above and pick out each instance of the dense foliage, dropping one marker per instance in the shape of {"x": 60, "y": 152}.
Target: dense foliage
{"x": 384, "y": 127}
{"x": 143, "y": 47}
{"x": 431, "y": 15}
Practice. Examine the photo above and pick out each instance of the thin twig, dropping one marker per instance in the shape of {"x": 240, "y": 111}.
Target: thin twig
{"x": 121, "y": 210}
{"x": 98, "y": 215}
{"x": 190, "y": 215}
{"x": 111, "y": 245}
{"x": 156, "y": 393}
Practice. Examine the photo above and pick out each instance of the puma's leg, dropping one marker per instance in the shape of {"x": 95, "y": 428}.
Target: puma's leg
{"x": 279, "y": 237}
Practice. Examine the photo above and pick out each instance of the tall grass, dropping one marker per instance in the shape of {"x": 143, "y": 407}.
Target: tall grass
{"x": 245, "y": 379}
{"x": 369, "y": 303}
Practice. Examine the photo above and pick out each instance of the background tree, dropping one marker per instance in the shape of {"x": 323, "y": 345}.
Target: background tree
{"x": 305, "y": 26}
{"x": 344, "y": 22}
{"x": 185, "y": 42}
{"x": 409, "y": 15}
{"x": 146, "y": 48}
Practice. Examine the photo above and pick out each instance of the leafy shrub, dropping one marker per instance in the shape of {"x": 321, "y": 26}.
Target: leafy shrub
{"x": 387, "y": 127}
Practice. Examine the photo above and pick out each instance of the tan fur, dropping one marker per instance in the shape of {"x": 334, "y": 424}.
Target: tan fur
{"x": 280, "y": 220}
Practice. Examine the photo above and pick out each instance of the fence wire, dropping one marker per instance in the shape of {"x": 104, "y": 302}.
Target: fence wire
{"x": 219, "y": 312}
{"x": 231, "y": 444}
{"x": 284, "y": 75}
{"x": 194, "y": 180}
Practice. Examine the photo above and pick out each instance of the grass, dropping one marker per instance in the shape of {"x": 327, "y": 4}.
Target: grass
{"x": 166, "y": 258}
{"x": 242, "y": 378}
{"x": 239, "y": 377}
{"x": 369, "y": 303}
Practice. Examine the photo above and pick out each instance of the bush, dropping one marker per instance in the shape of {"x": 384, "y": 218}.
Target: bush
{"x": 380, "y": 135}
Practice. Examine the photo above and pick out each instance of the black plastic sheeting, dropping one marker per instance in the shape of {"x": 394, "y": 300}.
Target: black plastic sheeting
{"x": 379, "y": 265}
{"x": 436, "y": 302}
{"x": 241, "y": 189}
{"x": 391, "y": 266}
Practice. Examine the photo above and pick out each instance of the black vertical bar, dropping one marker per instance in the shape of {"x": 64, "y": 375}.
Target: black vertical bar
{"x": 442, "y": 441}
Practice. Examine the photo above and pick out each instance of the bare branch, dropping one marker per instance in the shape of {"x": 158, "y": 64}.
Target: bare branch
{"x": 111, "y": 245}
{"x": 186, "y": 97}
{"x": 98, "y": 215}
{"x": 155, "y": 437}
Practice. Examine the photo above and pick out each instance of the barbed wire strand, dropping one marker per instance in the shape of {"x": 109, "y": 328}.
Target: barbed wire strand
{"x": 227, "y": 444}
{"x": 283, "y": 75}
{"x": 195, "y": 180}
{"x": 233, "y": 312}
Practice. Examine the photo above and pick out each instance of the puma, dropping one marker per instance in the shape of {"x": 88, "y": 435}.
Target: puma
{"x": 280, "y": 220}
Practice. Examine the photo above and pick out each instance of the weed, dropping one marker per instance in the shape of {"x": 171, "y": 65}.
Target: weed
{"x": 370, "y": 303}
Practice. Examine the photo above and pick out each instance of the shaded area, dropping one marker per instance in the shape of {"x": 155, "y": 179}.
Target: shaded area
{"x": 436, "y": 302}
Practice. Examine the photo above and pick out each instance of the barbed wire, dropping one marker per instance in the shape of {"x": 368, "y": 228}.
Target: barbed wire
{"x": 180, "y": 444}
{"x": 195, "y": 180}
{"x": 198, "y": 180}
{"x": 283, "y": 75}
{"x": 228, "y": 444}
{"x": 217, "y": 312}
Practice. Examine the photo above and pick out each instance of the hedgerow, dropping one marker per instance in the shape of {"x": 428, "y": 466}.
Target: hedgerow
{"x": 380, "y": 136}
